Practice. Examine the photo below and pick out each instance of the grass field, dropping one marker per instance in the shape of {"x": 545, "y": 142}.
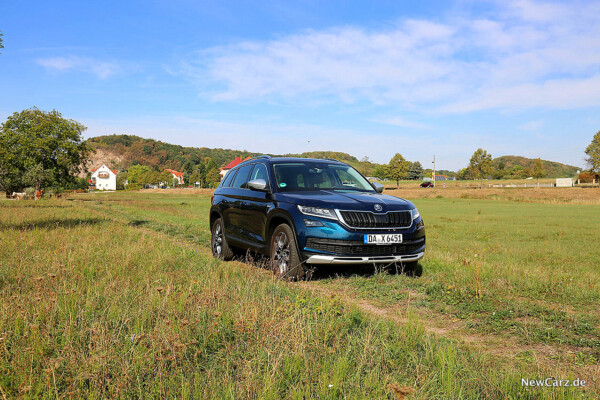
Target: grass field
{"x": 116, "y": 295}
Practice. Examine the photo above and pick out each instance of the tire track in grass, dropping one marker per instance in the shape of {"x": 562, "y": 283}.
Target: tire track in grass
{"x": 552, "y": 359}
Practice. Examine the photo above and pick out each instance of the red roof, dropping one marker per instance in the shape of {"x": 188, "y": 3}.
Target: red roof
{"x": 113, "y": 171}
{"x": 176, "y": 173}
{"x": 235, "y": 162}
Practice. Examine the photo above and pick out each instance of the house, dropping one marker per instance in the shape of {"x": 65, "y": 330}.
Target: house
{"x": 232, "y": 164}
{"x": 176, "y": 175}
{"x": 103, "y": 178}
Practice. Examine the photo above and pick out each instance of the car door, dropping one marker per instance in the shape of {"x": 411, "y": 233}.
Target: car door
{"x": 233, "y": 218}
{"x": 254, "y": 207}
{"x": 225, "y": 201}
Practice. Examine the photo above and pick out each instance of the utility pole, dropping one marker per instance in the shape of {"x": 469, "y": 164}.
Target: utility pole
{"x": 434, "y": 170}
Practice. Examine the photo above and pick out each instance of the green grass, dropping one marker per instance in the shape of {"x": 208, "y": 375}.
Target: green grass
{"x": 520, "y": 270}
{"x": 118, "y": 297}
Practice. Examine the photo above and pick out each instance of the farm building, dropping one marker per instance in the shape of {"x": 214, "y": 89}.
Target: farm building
{"x": 232, "y": 164}
{"x": 103, "y": 178}
{"x": 176, "y": 175}
{"x": 444, "y": 178}
{"x": 564, "y": 182}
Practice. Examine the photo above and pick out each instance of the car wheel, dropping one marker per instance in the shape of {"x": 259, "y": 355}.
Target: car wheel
{"x": 285, "y": 260}
{"x": 220, "y": 248}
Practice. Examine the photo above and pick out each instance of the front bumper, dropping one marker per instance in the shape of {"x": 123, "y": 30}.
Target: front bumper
{"x": 323, "y": 259}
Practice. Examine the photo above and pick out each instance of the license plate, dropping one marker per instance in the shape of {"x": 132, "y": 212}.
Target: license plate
{"x": 383, "y": 239}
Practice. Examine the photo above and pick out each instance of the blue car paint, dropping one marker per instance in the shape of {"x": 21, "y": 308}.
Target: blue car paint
{"x": 284, "y": 207}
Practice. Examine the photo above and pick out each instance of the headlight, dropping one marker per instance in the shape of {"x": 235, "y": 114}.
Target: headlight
{"x": 318, "y": 212}
{"x": 415, "y": 213}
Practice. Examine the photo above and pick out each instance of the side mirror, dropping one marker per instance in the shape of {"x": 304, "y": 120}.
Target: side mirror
{"x": 378, "y": 187}
{"x": 258, "y": 184}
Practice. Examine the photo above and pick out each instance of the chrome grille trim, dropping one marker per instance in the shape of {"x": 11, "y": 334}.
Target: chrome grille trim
{"x": 365, "y": 219}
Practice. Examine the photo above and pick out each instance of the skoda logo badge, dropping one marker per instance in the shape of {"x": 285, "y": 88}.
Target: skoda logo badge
{"x": 378, "y": 207}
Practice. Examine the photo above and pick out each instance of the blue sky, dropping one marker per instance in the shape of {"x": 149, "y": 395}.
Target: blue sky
{"x": 369, "y": 78}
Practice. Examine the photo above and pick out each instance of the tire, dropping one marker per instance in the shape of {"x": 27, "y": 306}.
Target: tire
{"x": 220, "y": 248}
{"x": 285, "y": 260}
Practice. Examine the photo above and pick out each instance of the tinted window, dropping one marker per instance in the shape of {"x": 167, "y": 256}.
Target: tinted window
{"x": 316, "y": 176}
{"x": 242, "y": 177}
{"x": 260, "y": 172}
{"x": 228, "y": 178}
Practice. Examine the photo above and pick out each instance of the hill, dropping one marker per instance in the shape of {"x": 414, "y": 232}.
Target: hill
{"x": 122, "y": 151}
{"x": 553, "y": 169}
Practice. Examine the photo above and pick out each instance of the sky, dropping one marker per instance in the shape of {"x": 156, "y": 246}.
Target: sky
{"x": 370, "y": 78}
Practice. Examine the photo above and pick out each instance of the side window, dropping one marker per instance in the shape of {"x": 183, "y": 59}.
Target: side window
{"x": 241, "y": 178}
{"x": 259, "y": 172}
{"x": 228, "y": 178}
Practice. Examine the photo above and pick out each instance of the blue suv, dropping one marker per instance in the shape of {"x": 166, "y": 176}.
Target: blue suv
{"x": 305, "y": 212}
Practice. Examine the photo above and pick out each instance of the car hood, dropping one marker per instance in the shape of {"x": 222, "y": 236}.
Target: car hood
{"x": 346, "y": 200}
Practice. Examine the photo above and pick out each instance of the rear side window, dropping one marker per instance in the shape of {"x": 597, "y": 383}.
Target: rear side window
{"x": 259, "y": 172}
{"x": 242, "y": 177}
{"x": 228, "y": 178}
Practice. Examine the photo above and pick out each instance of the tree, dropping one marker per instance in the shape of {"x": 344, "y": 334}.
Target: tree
{"x": 481, "y": 165}
{"x": 136, "y": 174}
{"x": 37, "y": 177}
{"x": 193, "y": 178}
{"x": 121, "y": 179}
{"x": 464, "y": 174}
{"x": 415, "y": 171}
{"x": 397, "y": 168}
{"x": 213, "y": 176}
{"x": 380, "y": 171}
{"x": 201, "y": 169}
{"x": 165, "y": 178}
{"x": 44, "y": 142}
{"x": 593, "y": 153}
{"x": 538, "y": 170}
{"x": 1, "y": 45}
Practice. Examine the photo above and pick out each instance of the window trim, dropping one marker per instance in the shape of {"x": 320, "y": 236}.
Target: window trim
{"x": 239, "y": 169}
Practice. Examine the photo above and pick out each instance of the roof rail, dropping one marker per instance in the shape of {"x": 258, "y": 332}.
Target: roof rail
{"x": 261, "y": 156}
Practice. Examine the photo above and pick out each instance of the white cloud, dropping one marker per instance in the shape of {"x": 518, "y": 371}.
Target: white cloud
{"x": 101, "y": 69}
{"x": 526, "y": 54}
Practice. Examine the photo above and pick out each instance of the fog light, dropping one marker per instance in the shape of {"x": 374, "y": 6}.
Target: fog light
{"x": 312, "y": 223}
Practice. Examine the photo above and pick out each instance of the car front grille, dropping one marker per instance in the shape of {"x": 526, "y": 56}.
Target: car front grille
{"x": 362, "y": 219}
{"x": 358, "y": 248}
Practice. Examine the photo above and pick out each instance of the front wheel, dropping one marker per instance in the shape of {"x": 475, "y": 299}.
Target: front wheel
{"x": 220, "y": 248}
{"x": 285, "y": 259}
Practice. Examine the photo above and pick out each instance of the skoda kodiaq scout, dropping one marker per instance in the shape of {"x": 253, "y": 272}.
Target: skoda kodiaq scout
{"x": 303, "y": 212}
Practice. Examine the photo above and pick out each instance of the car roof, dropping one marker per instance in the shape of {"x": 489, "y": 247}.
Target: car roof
{"x": 291, "y": 160}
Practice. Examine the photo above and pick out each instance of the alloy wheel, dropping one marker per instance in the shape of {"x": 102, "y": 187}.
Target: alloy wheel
{"x": 281, "y": 252}
{"x": 217, "y": 242}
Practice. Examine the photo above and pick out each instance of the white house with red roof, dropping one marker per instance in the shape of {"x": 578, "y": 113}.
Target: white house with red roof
{"x": 176, "y": 175}
{"x": 232, "y": 164}
{"x": 104, "y": 178}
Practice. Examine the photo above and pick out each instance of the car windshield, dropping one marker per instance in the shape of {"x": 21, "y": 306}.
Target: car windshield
{"x": 303, "y": 176}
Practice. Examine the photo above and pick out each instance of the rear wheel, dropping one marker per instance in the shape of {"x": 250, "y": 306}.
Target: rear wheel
{"x": 285, "y": 259}
{"x": 220, "y": 248}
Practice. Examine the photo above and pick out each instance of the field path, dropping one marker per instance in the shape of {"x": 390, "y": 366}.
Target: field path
{"x": 439, "y": 324}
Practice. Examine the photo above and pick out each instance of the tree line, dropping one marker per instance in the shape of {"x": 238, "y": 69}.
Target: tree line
{"x": 42, "y": 150}
{"x": 204, "y": 175}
